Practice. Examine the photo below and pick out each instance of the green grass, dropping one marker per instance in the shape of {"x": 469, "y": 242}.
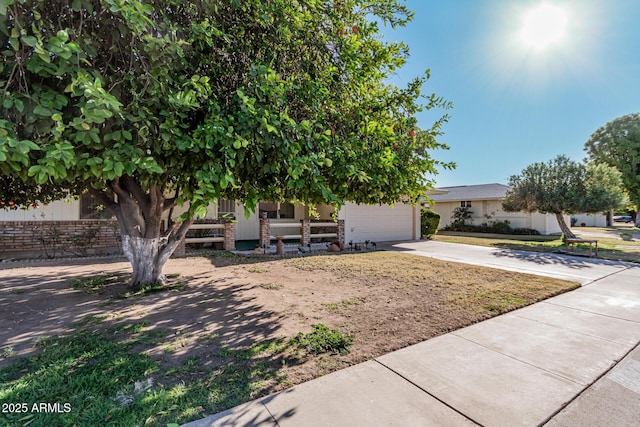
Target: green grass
{"x": 610, "y": 248}
{"x": 341, "y": 306}
{"x": 8, "y": 352}
{"x": 107, "y": 384}
{"x": 93, "y": 285}
{"x": 323, "y": 340}
{"x": 152, "y": 289}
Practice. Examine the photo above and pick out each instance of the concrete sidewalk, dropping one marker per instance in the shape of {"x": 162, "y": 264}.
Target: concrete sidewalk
{"x": 570, "y": 360}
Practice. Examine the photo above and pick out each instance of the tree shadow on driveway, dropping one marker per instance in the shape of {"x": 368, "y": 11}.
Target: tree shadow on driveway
{"x": 555, "y": 258}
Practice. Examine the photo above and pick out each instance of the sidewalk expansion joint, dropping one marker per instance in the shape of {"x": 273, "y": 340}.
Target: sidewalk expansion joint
{"x": 562, "y": 408}
{"x": 607, "y": 276}
{"x": 270, "y": 414}
{"x": 429, "y": 394}
{"x": 518, "y": 360}
{"x": 591, "y": 312}
{"x": 564, "y": 328}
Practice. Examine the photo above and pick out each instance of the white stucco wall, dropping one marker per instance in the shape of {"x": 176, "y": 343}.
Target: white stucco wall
{"x": 544, "y": 223}
{"x": 60, "y": 210}
{"x": 590, "y": 220}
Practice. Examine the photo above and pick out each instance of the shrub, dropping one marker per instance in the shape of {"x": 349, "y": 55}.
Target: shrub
{"x": 497, "y": 227}
{"x": 429, "y": 221}
{"x": 500, "y": 227}
{"x": 323, "y": 340}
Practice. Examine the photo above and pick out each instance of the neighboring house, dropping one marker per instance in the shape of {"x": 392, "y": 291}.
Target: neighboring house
{"x": 485, "y": 203}
{"x": 375, "y": 223}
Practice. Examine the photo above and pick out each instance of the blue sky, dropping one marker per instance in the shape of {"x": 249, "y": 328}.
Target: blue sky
{"x": 514, "y": 104}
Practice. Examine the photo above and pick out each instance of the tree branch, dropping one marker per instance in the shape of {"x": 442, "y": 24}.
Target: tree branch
{"x": 137, "y": 192}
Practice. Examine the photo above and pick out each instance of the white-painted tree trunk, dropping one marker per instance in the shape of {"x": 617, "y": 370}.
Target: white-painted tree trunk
{"x": 147, "y": 258}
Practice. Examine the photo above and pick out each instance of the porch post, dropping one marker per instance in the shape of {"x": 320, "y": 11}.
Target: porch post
{"x": 305, "y": 239}
{"x": 265, "y": 232}
{"x": 230, "y": 236}
{"x": 341, "y": 232}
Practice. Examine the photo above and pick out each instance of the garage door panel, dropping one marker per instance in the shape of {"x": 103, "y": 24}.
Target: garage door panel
{"x": 379, "y": 223}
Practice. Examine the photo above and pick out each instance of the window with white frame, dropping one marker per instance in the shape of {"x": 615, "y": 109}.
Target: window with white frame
{"x": 465, "y": 204}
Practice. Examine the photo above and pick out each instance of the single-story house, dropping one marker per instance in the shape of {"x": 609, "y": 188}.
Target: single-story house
{"x": 485, "y": 203}
{"x": 375, "y": 223}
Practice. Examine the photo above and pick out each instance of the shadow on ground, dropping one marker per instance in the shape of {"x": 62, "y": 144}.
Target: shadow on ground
{"x": 552, "y": 258}
{"x": 208, "y": 299}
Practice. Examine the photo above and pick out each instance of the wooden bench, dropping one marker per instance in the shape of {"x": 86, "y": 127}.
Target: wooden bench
{"x": 573, "y": 242}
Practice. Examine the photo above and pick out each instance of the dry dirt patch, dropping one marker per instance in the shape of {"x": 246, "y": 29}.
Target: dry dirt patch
{"x": 385, "y": 300}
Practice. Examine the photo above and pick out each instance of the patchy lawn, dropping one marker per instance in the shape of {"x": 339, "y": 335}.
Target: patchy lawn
{"x": 226, "y": 330}
{"x": 610, "y": 246}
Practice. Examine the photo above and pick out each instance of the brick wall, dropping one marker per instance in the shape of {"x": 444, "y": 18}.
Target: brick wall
{"x": 58, "y": 238}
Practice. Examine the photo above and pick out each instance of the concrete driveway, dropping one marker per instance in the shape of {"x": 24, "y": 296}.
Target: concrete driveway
{"x": 575, "y": 268}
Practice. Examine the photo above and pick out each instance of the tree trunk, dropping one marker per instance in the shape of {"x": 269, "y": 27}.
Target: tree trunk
{"x": 147, "y": 258}
{"x": 564, "y": 227}
{"x": 139, "y": 216}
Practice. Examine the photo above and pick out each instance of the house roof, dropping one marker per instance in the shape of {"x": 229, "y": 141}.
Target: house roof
{"x": 471, "y": 192}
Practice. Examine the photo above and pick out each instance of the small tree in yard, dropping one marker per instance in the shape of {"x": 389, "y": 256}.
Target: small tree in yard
{"x": 158, "y": 103}
{"x": 563, "y": 186}
{"x": 617, "y": 144}
{"x": 460, "y": 217}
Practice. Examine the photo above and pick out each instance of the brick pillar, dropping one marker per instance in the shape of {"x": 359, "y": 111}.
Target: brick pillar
{"x": 341, "y": 234}
{"x": 305, "y": 239}
{"x": 230, "y": 236}
{"x": 265, "y": 232}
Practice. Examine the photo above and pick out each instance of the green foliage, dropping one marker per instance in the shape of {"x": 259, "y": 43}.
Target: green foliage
{"x": 323, "y": 340}
{"x": 564, "y": 186}
{"x": 495, "y": 227}
{"x": 460, "y": 216}
{"x": 166, "y": 103}
{"x": 617, "y": 144}
{"x": 250, "y": 100}
{"x": 429, "y": 221}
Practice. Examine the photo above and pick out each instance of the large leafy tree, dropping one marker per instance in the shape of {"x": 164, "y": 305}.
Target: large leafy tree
{"x": 617, "y": 144}
{"x": 563, "y": 186}
{"x": 157, "y": 103}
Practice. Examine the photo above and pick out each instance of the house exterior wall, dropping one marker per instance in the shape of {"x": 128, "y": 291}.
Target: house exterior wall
{"x": 380, "y": 223}
{"x": 543, "y": 223}
{"x": 362, "y": 222}
{"x": 60, "y": 210}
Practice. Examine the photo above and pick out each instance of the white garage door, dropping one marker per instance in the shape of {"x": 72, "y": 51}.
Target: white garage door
{"x": 378, "y": 223}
